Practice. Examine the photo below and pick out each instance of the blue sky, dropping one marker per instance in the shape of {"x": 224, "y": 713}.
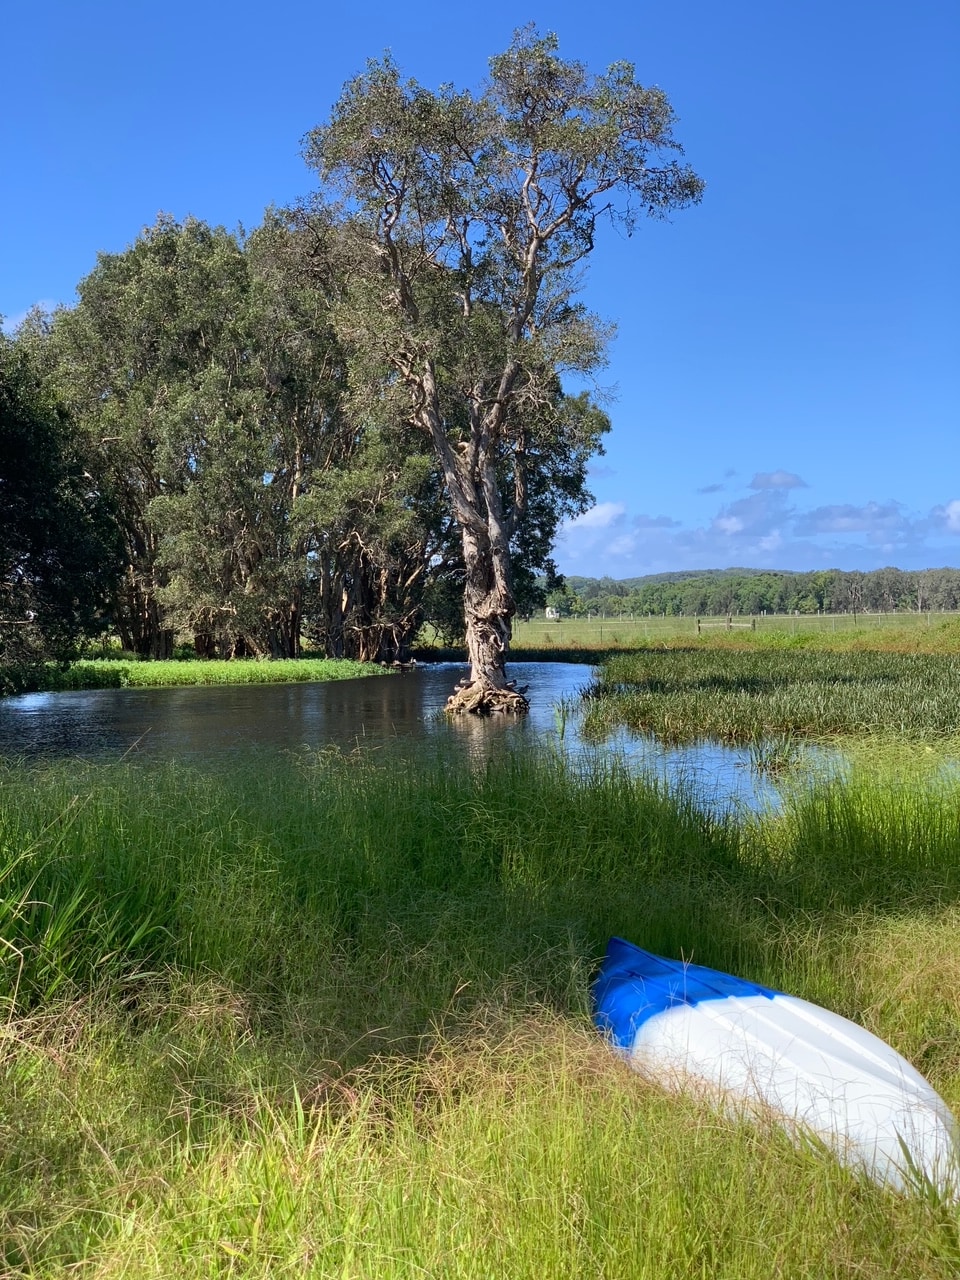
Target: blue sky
{"x": 785, "y": 375}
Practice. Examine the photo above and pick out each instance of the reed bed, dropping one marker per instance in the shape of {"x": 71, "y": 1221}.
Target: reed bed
{"x": 684, "y": 695}
{"x": 325, "y": 1015}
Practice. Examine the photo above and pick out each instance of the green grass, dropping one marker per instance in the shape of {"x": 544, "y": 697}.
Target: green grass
{"x": 925, "y": 633}
{"x": 323, "y": 1016}
{"x": 746, "y": 696}
{"x": 115, "y": 673}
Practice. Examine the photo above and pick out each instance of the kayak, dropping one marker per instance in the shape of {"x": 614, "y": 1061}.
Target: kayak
{"x": 764, "y": 1052}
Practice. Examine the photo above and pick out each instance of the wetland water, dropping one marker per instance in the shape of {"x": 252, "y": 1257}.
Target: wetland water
{"x": 394, "y": 712}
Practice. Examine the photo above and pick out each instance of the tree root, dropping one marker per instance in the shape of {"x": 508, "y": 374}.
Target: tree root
{"x": 482, "y": 699}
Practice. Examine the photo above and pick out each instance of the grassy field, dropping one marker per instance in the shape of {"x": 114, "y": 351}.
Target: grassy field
{"x": 326, "y": 1016}
{"x": 926, "y": 633}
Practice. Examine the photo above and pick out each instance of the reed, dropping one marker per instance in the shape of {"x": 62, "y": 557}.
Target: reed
{"x": 745, "y": 696}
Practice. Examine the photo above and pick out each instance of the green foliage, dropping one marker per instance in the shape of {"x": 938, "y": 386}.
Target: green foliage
{"x": 254, "y": 504}
{"x": 755, "y": 591}
{"x": 328, "y": 426}
{"x": 59, "y": 545}
{"x": 151, "y": 365}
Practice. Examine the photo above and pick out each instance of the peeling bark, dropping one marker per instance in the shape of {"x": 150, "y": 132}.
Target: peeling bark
{"x": 488, "y": 611}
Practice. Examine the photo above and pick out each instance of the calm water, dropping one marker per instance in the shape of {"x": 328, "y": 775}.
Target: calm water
{"x": 396, "y": 712}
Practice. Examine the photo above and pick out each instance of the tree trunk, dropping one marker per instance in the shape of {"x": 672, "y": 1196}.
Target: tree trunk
{"x": 139, "y": 622}
{"x": 488, "y": 609}
{"x": 283, "y": 631}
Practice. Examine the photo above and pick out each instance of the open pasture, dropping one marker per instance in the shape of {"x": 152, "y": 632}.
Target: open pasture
{"x": 911, "y": 632}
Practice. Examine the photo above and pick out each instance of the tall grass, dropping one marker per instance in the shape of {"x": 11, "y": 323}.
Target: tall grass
{"x": 266, "y": 873}
{"x": 322, "y": 1015}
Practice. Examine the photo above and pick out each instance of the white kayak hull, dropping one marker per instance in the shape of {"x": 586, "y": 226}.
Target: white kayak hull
{"x": 763, "y": 1051}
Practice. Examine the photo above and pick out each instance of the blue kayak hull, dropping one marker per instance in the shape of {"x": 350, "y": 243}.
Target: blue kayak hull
{"x": 761, "y": 1051}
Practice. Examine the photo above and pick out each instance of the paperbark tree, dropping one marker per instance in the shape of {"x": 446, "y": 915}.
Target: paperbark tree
{"x": 466, "y": 216}
{"x": 359, "y": 529}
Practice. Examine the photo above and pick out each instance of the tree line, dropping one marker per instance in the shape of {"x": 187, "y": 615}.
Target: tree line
{"x": 885, "y": 590}
{"x": 353, "y": 418}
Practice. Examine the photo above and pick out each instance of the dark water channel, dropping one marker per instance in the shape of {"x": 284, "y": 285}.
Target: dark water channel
{"x": 383, "y": 713}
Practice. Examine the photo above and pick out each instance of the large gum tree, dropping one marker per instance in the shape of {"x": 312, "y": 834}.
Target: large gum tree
{"x": 469, "y": 215}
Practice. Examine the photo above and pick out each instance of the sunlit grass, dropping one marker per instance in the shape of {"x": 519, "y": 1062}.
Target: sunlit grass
{"x": 844, "y": 633}
{"x": 115, "y": 673}
{"x": 520, "y": 1148}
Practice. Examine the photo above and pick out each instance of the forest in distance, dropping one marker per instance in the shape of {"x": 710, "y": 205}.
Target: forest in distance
{"x": 751, "y": 592}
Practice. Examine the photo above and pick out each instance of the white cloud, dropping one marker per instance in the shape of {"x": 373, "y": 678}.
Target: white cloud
{"x": 777, "y": 480}
{"x": 763, "y": 529}
{"x": 753, "y": 517}
{"x": 728, "y": 524}
{"x": 655, "y": 522}
{"x": 873, "y": 518}
{"x": 603, "y": 516}
{"x": 625, "y": 545}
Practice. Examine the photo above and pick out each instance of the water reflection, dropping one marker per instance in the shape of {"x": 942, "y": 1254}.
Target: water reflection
{"x": 397, "y": 712}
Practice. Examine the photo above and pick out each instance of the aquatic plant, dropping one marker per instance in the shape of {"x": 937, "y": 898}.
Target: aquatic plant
{"x": 751, "y": 696}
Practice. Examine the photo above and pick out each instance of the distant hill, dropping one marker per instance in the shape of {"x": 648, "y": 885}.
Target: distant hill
{"x": 700, "y": 592}
{"x": 576, "y": 582}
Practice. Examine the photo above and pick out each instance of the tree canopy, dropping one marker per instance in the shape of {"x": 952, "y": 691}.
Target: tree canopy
{"x": 202, "y": 370}
{"x": 741, "y": 591}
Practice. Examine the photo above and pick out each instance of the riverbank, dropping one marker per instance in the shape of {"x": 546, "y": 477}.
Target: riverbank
{"x": 589, "y": 641}
{"x": 121, "y": 673}
{"x": 319, "y": 1014}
